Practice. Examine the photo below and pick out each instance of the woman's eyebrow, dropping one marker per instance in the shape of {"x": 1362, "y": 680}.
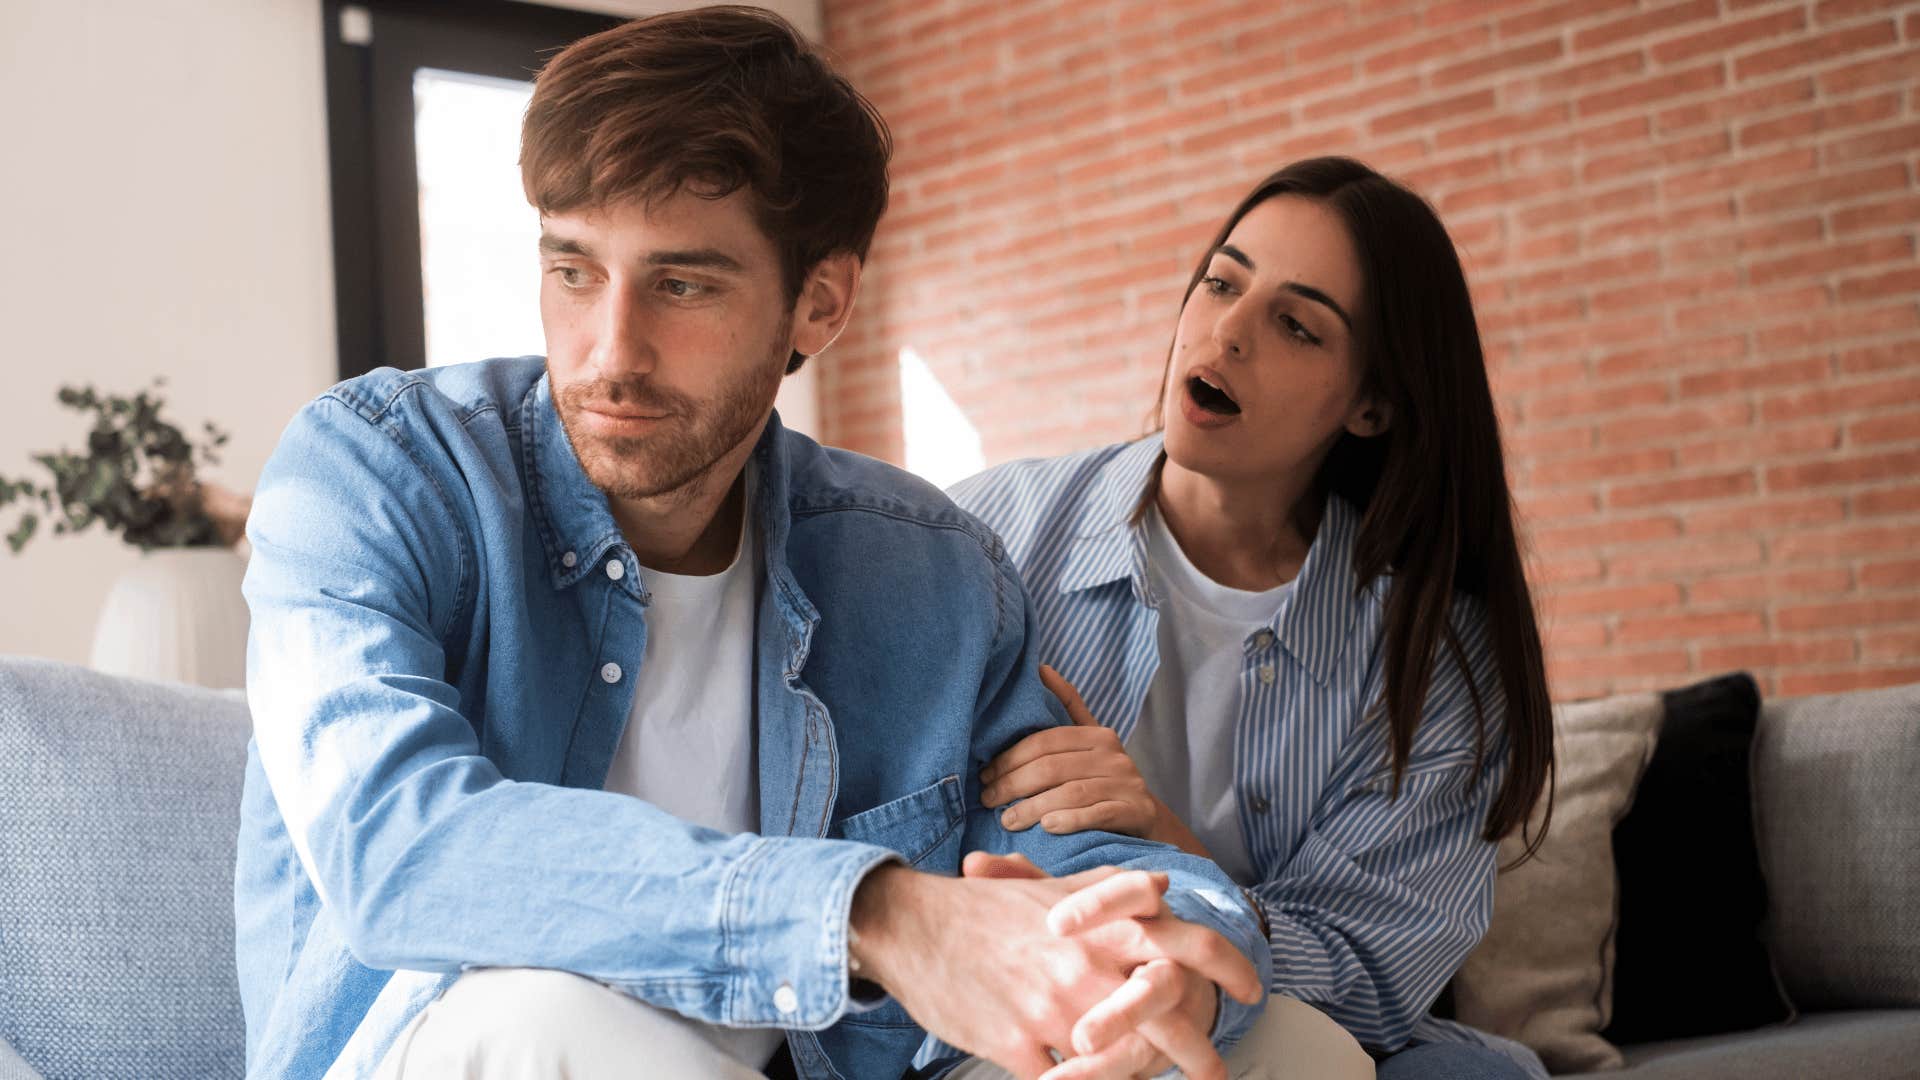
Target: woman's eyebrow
{"x": 1305, "y": 291}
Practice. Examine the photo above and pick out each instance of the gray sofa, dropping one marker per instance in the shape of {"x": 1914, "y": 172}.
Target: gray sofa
{"x": 118, "y": 804}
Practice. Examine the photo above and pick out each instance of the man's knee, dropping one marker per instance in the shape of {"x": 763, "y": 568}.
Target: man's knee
{"x": 527, "y": 1016}
{"x": 1295, "y": 1041}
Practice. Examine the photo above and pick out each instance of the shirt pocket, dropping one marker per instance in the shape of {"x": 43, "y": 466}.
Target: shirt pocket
{"x": 916, "y": 826}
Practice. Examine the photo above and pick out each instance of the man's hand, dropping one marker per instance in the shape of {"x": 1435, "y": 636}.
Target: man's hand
{"x": 1163, "y": 1013}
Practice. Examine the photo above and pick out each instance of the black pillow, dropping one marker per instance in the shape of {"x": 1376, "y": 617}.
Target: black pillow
{"x": 1689, "y": 958}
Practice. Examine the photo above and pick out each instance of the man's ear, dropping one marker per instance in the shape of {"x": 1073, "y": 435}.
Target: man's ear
{"x": 1369, "y": 418}
{"x": 825, "y": 302}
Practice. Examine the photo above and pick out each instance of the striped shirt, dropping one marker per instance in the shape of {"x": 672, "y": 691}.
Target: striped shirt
{"x": 1373, "y": 900}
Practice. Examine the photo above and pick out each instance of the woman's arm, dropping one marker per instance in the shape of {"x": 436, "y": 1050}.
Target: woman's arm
{"x": 1077, "y": 778}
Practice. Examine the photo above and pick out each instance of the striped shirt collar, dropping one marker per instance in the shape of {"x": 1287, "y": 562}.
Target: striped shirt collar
{"x": 1314, "y": 620}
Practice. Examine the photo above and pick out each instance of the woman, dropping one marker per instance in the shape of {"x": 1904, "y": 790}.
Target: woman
{"x": 1301, "y": 612}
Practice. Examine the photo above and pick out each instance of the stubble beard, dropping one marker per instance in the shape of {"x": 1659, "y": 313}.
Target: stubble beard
{"x": 691, "y": 441}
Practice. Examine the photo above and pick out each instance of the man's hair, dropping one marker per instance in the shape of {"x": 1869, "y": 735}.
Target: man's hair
{"x": 712, "y": 100}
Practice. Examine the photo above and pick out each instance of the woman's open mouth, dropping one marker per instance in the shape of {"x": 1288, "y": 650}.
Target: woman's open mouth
{"x": 1210, "y": 397}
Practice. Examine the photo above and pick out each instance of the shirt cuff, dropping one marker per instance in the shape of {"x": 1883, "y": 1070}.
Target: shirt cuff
{"x": 1228, "y": 914}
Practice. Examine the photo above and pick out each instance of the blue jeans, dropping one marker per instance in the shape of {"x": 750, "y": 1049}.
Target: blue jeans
{"x": 1449, "y": 1061}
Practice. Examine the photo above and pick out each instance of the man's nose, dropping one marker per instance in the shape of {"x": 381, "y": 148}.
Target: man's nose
{"x": 620, "y": 346}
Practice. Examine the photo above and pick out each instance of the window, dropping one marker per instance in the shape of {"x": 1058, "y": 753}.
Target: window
{"x": 433, "y": 242}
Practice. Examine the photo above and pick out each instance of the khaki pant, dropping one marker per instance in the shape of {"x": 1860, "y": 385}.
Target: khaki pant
{"x": 520, "y": 1023}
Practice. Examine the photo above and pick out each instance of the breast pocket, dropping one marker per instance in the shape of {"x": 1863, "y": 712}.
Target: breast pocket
{"x": 917, "y": 826}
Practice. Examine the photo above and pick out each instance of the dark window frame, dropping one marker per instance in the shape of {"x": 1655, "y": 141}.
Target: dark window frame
{"x": 379, "y": 311}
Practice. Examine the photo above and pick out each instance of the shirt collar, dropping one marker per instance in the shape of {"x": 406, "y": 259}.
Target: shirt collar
{"x": 1315, "y": 618}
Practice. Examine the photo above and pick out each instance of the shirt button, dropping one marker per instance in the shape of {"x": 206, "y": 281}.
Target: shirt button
{"x": 1266, "y": 674}
{"x": 615, "y": 570}
{"x": 610, "y": 672}
{"x": 1263, "y": 639}
{"x": 786, "y": 1000}
{"x": 1259, "y": 804}
{"x": 569, "y": 559}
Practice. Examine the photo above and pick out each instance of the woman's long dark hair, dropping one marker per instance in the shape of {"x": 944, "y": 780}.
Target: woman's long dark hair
{"x": 1436, "y": 513}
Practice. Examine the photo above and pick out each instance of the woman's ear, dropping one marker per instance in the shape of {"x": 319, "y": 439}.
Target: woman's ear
{"x": 1369, "y": 418}
{"x": 825, "y": 302}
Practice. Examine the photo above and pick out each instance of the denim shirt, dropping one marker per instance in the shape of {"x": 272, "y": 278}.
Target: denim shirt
{"x": 447, "y": 625}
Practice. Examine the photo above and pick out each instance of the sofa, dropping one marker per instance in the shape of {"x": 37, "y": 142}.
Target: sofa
{"x": 118, "y": 812}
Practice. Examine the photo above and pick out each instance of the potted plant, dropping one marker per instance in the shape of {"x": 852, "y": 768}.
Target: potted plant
{"x": 177, "y": 613}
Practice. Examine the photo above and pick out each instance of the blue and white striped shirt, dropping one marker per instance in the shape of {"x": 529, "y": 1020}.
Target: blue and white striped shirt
{"x": 1373, "y": 900}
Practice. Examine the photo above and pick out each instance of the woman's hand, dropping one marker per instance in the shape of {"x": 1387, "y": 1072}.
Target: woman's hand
{"x": 1072, "y": 778}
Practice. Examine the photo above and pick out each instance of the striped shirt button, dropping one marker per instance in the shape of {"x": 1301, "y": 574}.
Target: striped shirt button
{"x": 1266, "y": 674}
{"x": 1263, "y": 639}
{"x": 1259, "y": 804}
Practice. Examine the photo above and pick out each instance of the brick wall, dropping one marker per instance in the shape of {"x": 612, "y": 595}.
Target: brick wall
{"x": 1689, "y": 227}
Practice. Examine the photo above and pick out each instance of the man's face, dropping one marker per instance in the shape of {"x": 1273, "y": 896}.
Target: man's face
{"x": 668, "y": 330}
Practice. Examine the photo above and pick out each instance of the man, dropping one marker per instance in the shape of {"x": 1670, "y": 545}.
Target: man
{"x": 603, "y": 727}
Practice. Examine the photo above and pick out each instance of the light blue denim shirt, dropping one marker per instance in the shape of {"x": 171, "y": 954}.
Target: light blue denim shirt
{"x": 447, "y": 626}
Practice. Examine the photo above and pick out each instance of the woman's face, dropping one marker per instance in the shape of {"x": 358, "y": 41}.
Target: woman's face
{"x": 1264, "y": 376}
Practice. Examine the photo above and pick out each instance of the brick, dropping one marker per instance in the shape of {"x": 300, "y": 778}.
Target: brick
{"x": 1685, "y": 558}
{"x": 1900, "y": 69}
{"x": 1556, "y": 506}
{"x": 1774, "y": 654}
{"x": 1504, "y": 127}
{"x": 1887, "y": 142}
{"x": 1615, "y": 668}
{"x": 1590, "y": 600}
{"x": 1899, "y": 210}
{"x": 1466, "y": 39}
{"x": 1364, "y": 100}
{"x": 1815, "y": 49}
{"x": 1829, "y": 328}
{"x": 1726, "y": 37}
{"x": 1903, "y": 282}
{"x": 1828, "y": 11}
{"x": 1591, "y": 72}
{"x": 1844, "y": 470}
{"x": 1484, "y": 64}
{"x": 1722, "y": 108}
{"x": 1724, "y": 485}
{"x": 1752, "y": 306}
{"x": 1650, "y": 91}
{"x": 1756, "y": 447}
{"x": 1879, "y": 358}
{"x": 1599, "y": 534}
{"x": 1771, "y": 514}
{"x": 1587, "y": 401}
{"x": 1560, "y": 14}
{"x": 1848, "y": 541}
{"x": 1559, "y": 635}
{"x": 1824, "y": 261}
{"x": 1887, "y": 501}
{"x": 1848, "y": 114}
{"x": 1848, "y": 613}
{"x": 1726, "y": 246}
{"x": 1645, "y": 24}
{"x": 1898, "y": 427}
{"x": 1691, "y": 627}
{"x": 1769, "y": 586}
{"x": 1430, "y": 112}
{"x": 1592, "y": 467}
{"x": 1897, "y": 645}
{"x": 1663, "y": 292}
{"x": 1827, "y": 189}
{"x": 1669, "y": 356}
{"x": 1894, "y": 574}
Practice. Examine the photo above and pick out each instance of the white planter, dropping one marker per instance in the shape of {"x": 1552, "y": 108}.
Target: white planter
{"x": 177, "y": 615}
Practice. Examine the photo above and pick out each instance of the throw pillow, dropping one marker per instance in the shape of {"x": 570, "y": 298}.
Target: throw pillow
{"x": 1542, "y": 975}
{"x": 1689, "y": 959}
{"x": 1837, "y": 806}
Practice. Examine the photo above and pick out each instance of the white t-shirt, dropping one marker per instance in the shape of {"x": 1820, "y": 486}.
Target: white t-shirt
{"x": 688, "y": 744}
{"x": 1183, "y": 743}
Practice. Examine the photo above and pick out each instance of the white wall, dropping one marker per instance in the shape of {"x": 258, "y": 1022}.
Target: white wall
{"x": 166, "y": 185}
{"x": 166, "y": 190}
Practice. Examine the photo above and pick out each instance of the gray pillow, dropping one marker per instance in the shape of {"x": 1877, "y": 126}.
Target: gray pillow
{"x": 13, "y": 1067}
{"x": 121, "y": 805}
{"x": 1836, "y": 783}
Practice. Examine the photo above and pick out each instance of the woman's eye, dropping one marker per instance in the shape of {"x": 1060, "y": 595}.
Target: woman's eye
{"x": 1215, "y": 285}
{"x": 1298, "y": 330}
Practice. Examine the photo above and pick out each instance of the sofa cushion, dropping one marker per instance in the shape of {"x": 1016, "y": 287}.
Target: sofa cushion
{"x": 1837, "y": 805}
{"x": 14, "y": 1067}
{"x": 121, "y": 802}
{"x": 1689, "y": 958}
{"x": 1542, "y": 973}
{"x": 1875, "y": 1045}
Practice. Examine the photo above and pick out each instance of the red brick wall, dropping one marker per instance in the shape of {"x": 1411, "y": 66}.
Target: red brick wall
{"x": 1690, "y": 229}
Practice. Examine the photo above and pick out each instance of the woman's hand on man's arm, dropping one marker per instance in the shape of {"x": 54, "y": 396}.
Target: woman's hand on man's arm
{"x": 1080, "y": 777}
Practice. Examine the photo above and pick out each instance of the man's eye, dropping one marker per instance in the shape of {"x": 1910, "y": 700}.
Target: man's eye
{"x": 570, "y": 276}
{"x": 682, "y": 289}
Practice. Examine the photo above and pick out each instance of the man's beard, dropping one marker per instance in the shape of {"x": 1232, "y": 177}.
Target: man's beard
{"x": 691, "y": 440}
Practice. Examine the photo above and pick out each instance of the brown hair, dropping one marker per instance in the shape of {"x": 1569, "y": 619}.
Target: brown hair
{"x": 1437, "y": 517}
{"x": 713, "y": 100}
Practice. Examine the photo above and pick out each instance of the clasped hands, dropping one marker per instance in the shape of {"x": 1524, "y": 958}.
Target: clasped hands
{"x": 1015, "y": 966}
